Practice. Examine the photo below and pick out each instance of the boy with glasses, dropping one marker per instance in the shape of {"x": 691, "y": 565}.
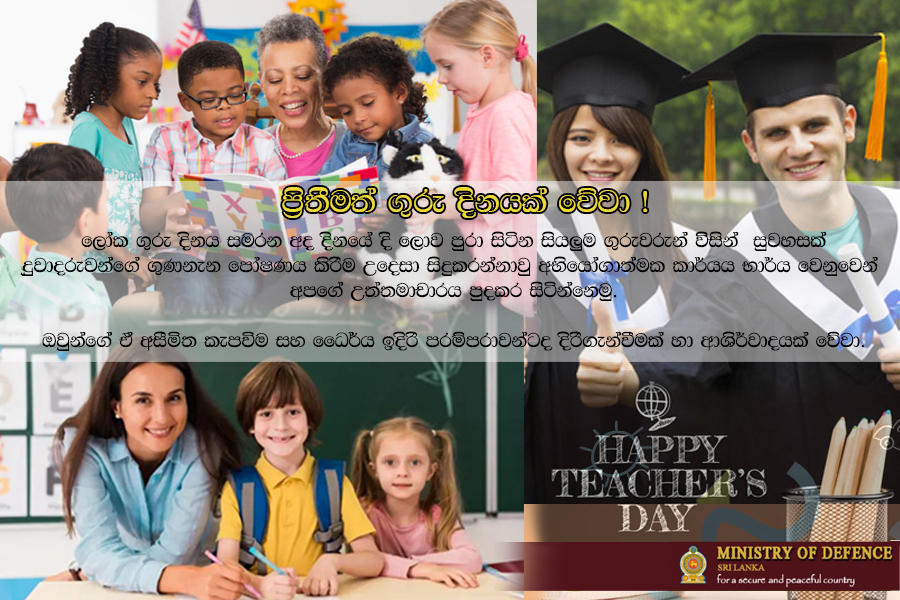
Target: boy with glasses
{"x": 215, "y": 141}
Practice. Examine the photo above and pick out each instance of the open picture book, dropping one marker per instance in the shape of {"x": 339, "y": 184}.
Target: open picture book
{"x": 250, "y": 206}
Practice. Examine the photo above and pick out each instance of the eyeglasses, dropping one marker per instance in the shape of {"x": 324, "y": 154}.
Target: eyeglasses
{"x": 214, "y": 102}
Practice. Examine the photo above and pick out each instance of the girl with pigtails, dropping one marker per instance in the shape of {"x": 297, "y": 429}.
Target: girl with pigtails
{"x": 404, "y": 476}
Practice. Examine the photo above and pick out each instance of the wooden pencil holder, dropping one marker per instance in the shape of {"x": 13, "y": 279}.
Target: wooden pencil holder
{"x": 861, "y": 518}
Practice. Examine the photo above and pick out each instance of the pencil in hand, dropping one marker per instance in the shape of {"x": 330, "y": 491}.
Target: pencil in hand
{"x": 247, "y": 586}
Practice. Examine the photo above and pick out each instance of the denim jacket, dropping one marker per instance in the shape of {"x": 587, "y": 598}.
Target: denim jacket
{"x": 352, "y": 147}
{"x": 131, "y": 530}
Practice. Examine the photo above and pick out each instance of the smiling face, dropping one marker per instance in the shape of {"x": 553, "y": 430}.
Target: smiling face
{"x": 802, "y": 147}
{"x": 290, "y": 78}
{"x": 153, "y": 408}
{"x": 402, "y": 466}
{"x": 368, "y": 108}
{"x": 461, "y": 70}
{"x": 216, "y": 124}
{"x": 138, "y": 86}
{"x": 594, "y": 156}
{"x": 281, "y": 431}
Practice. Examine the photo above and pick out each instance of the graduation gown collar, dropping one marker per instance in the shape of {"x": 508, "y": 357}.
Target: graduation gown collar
{"x": 646, "y": 300}
{"x": 826, "y": 302}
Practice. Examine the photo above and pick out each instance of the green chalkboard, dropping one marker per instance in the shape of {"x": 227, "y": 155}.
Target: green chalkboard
{"x": 358, "y": 396}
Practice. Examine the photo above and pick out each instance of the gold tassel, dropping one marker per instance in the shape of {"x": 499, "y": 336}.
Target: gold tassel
{"x": 875, "y": 137}
{"x": 709, "y": 149}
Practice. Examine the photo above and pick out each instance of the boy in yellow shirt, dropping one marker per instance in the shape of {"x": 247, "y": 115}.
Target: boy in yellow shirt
{"x": 279, "y": 405}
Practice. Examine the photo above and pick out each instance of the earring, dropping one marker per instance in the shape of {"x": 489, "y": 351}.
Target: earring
{"x": 118, "y": 416}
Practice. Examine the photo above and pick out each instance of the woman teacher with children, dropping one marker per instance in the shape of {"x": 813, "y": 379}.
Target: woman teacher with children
{"x": 142, "y": 463}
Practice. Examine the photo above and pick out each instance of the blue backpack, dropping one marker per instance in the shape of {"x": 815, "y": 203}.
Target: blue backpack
{"x": 253, "y": 504}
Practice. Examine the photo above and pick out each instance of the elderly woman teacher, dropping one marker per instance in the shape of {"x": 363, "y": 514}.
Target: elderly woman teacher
{"x": 143, "y": 462}
{"x": 292, "y": 56}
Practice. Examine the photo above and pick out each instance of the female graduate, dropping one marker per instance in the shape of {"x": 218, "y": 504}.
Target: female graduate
{"x": 605, "y": 86}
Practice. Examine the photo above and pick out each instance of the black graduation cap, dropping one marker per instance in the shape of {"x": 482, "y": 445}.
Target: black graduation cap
{"x": 604, "y": 66}
{"x": 775, "y": 69}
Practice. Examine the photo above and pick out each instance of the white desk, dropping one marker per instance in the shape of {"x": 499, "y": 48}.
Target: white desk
{"x": 753, "y": 596}
{"x": 381, "y": 588}
{"x": 698, "y": 595}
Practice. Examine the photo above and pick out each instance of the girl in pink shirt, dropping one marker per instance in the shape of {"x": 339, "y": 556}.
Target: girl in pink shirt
{"x": 473, "y": 43}
{"x": 419, "y": 535}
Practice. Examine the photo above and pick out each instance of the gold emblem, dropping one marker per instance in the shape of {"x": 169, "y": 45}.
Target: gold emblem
{"x": 693, "y": 563}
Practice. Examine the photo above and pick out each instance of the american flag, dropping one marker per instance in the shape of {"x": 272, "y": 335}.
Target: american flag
{"x": 191, "y": 30}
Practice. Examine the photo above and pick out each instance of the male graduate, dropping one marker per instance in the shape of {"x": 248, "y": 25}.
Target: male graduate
{"x": 777, "y": 407}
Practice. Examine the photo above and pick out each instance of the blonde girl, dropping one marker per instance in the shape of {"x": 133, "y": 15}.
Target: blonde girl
{"x": 403, "y": 474}
{"x": 473, "y": 43}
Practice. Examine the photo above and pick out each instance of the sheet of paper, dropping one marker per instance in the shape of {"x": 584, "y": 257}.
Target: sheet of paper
{"x": 185, "y": 597}
{"x": 58, "y": 389}
{"x": 46, "y": 486}
{"x": 13, "y": 475}
{"x": 607, "y": 595}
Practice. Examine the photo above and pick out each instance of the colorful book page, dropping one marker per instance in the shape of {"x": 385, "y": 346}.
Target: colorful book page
{"x": 230, "y": 208}
{"x": 313, "y": 225}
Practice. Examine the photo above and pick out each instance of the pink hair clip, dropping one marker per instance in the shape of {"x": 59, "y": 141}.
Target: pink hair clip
{"x": 521, "y": 50}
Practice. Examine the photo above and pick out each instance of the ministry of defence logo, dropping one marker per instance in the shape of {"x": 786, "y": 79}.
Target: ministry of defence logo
{"x": 693, "y": 563}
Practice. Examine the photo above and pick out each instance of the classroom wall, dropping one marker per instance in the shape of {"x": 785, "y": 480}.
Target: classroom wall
{"x": 39, "y": 42}
{"x": 236, "y": 14}
{"x": 242, "y": 14}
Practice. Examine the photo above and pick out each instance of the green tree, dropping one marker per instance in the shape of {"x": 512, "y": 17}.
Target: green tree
{"x": 857, "y": 72}
{"x": 558, "y": 20}
{"x": 695, "y": 32}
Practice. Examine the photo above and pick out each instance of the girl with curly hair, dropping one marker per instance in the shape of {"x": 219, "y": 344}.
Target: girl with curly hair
{"x": 115, "y": 78}
{"x": 370, "y": 81}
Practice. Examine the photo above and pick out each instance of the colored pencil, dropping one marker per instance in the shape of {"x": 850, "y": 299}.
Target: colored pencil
{"x": 268, "y": 562}
{"x": 248, "y": 587}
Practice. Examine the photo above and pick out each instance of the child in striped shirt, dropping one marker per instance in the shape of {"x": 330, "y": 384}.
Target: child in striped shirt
{"x": 215, "y": 140}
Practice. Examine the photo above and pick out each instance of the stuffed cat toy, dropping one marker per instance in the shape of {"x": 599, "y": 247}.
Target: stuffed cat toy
{"x": 412, "y": 166}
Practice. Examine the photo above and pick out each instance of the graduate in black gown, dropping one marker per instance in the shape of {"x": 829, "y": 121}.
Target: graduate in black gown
{"x": 779, "y": 413}
{"x": 605, "y": 86}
